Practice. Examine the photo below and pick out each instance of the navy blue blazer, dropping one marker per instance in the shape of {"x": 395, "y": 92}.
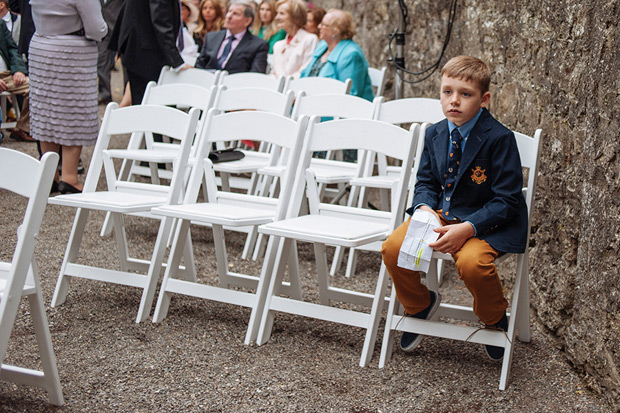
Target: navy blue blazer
{"x": 250, "y": 55}
{"x": 488, "y": 187}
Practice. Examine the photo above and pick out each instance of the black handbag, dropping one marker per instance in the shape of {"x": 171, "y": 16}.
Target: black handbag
{"x": 226, "y": 155}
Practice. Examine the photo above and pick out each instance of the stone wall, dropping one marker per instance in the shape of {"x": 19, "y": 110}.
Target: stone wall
{"x": 556, "y": 66}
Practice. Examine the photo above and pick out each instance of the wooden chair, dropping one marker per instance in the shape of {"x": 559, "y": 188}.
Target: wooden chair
{"x": 124, "y": 197}
{"x": 20, "y": 276}
{"x": 230, "y": 210}
{"x": 519, "y": 313}
{"x": 329, "y": 224}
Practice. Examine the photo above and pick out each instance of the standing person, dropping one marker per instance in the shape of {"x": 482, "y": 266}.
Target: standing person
{"x": 339, "y": 57}
{"x": 63, "y": 71}
{"x": 210, "y": 19}
{"x": 265, "y": 26}
{"x": 470, "y": 178}
{"x": 292, "y": 54}
{"x": 110, "y": 10}
{"x": 26, "y": 27}
{"x": 148, "y": 40}
{"x": 13, "y": 79}
{"x": 234, "y": 49}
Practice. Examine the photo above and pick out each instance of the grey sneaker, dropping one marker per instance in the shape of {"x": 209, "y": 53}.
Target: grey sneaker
{"x": 409, "y": 341}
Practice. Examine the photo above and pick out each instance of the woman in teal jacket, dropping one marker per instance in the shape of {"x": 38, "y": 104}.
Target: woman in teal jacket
{"x": 339, "y": 57}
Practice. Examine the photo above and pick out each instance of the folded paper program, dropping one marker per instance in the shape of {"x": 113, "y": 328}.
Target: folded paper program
{"x": 415, "y": 254}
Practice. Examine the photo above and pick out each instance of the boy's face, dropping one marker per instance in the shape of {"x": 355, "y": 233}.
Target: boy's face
{"x": 461, "y": 99}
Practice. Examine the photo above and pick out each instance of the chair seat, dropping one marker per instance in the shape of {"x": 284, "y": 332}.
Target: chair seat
{"x": 252, "y": 162}
{"x": 160, "y": 155}
{"x": 121, "y": 202}
{"x": 229, "y": 215}
{"x": 376, "y": 181}
{"x": 328, "y": 230}
{"x": 326, "y": 171}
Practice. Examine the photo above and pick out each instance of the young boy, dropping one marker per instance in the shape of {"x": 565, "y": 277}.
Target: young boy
{"x": 470, "y": 177}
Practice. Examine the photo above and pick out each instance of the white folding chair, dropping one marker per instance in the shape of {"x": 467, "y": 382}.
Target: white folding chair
{"x": 124, "y": 197}
{"x": 398, "y": 112}
{"x": 329, "y": 224}
{"x": 20, "y": 276}
{"x": 519, "y": 313}
{"x": 192, "y": 76}
{"x": 252, "y": 79}
{"x": 182, "y": 96}
{"x": 257, "y": 99}
{"x": 377, "y": 79}
{"x": 318, "y": 86}
{"x": 230, "y": 210}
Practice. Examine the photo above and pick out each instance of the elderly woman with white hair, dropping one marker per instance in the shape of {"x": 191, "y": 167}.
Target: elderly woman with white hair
{"x": 339, "y": 57}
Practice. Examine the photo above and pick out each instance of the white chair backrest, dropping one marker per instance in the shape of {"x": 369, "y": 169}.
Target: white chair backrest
{"x": 318, "y": 86}
{"x": 268, "y": 128}
{"x": 411, "y": 110}
{"x": 361, "y": 134}
{"x": 142, "y": 119}
{"x": 252, "y": 79}
{"x": 529, "y": 147}
{"x": 193, "y": 76}
{"x": 34, "y": 185}
{"x": 253, "y": 98}
{"x": 334, "y": 106}
{"x": 377, "y": 79}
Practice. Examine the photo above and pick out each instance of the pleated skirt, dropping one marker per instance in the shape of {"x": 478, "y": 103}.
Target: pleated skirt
{"x": 63, "y": 90}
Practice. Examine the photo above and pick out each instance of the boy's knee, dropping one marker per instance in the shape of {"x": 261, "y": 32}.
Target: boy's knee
{"x": 472, "y": 266}
{"x": 389, "y": 250}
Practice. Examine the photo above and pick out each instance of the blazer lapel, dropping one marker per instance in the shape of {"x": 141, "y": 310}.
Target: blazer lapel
{"x": 440, "y": 144}
{"x": 243, "y": 43}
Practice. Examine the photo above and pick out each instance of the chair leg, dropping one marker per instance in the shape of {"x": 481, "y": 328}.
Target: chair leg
{"x": 44, "y": 341}
{"x": 179, "y": 244}
{"x": 71, "y": 253}
{"x": 219, "y": 242}
{"x": 337, "y": 261}
{"x": 121, "y": 241}
{"x": 523, "y": 318}
{"x": 375, "y": 316}
{"x": 275, "y": 277}
{"x": 293, "y": 272}
{"x": 388, "y": 334}
{"x": 152, "y": 276}
{"x": 250, "y": 243}
{"x": 322, "y": 273}
{"x": 351, "y": 263}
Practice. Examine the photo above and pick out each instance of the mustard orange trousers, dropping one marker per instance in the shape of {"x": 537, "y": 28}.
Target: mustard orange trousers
{"x": 474, "y": 263}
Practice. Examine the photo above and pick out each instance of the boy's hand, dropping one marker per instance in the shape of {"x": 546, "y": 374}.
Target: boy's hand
{"x": 428, "y": 209}
{"x": 452, "y": 237}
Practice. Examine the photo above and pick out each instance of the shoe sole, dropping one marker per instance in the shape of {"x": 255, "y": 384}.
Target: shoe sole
{"x": 419, "y": 338}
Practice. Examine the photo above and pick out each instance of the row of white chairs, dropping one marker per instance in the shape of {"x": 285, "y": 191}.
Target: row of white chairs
{"x": 208, "y": 79}
{"x": 277, "y": 218}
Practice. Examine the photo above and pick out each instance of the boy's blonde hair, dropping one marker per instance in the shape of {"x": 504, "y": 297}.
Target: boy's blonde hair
{"x": 470, "y": 69}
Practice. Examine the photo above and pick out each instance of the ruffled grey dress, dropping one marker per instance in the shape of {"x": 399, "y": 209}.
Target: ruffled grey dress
{"x": 62, "y": 63}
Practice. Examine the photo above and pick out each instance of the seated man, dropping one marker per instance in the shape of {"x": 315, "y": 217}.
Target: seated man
{"x": 470, "y": 178}
{"x": 234, "y": 49}
{"x": 13, "y": 79}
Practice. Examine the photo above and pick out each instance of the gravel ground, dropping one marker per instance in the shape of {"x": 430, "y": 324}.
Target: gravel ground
{"x": 195, "y": 359}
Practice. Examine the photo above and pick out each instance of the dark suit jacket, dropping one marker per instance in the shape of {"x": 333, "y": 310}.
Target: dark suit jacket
{"x": 27, "y": 25}
{"x": 110, "y": 10}
{"x": 147, "y": 36}
{"x": 494, "y": 205}
{"x": 9, "y": 52}
{"x": 250, "y": 55}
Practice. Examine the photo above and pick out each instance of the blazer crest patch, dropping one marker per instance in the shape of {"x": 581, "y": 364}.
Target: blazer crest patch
{"x": 478, "y": 175}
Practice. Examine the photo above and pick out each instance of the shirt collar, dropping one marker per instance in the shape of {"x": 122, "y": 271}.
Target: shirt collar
{"x": 466, "y": 128}
{"x": 237, "y": 36}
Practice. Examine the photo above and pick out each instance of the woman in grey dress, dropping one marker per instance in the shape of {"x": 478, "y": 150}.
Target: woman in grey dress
{"x": 63, "y": 80}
